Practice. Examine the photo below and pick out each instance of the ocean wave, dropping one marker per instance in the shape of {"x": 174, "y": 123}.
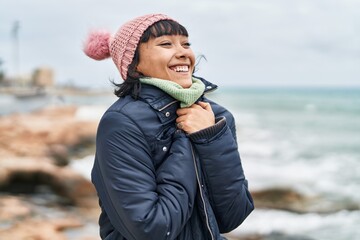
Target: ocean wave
{"x": 83, "y": 165}
{"x": 339, "y": 225}
{"x": 90, "y": 112}
{"x": 333, "y": 177}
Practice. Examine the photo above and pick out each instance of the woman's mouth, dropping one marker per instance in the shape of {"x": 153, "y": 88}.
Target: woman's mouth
{"x": 180, "y": 68}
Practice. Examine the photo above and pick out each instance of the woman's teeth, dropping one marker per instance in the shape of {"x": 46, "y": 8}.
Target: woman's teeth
{"x": 180, "y": 69}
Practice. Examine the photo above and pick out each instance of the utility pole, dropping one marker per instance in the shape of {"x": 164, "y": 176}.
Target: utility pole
{"x": 1, "y": 72}
{"x": 15, "y": 39}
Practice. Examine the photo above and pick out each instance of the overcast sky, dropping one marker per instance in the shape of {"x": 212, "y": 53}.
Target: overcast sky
{"x": 246, "y": 43}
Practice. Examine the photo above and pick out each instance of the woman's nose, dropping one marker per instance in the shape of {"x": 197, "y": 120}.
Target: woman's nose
{"x": 182, "y": 52}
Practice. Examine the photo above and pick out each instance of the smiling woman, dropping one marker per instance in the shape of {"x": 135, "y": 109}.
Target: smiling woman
{"x": 167, "y": 164}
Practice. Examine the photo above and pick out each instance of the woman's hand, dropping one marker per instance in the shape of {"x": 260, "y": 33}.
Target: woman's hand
{"x": 196, "y": 117}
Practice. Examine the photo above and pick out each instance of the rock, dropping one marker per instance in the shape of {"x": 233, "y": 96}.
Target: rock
{"x": 12, "y": 208}
{"x": 40, "y": 230}
{"x": 284, "y": 199}
{"x": 35, "y": 149}
{"x": 23, "y": 175}
{"x": 282, "y": 236}
{"x": 290, "y": 200}
{"x": 270, "y": 236}
{"x": 49, "y": 220}
{"x": 45, "y": 133}
{"x": 244, "y": 237}
{"x": 60, "y": 154}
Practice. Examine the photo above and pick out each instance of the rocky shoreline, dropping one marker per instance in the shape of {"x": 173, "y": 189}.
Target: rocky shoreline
{"x": 41, "y": 197}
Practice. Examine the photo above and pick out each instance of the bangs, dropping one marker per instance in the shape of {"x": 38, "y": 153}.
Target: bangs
{"x": 164, "y": 27}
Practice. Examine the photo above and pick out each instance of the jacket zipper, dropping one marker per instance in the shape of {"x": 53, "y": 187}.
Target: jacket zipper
{"x": 167, "y": 105}
{"x": 201, "y": 194}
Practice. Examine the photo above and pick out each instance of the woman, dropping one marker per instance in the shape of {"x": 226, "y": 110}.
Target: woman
{"x": 167, "y": 164}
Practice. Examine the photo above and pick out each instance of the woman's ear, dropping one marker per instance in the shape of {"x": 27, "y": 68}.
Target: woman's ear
{"x": 138, "y": 69}
{"x": 134, "y": 73}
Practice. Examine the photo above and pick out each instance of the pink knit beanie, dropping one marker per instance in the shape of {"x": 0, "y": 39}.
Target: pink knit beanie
{"x": 120, "y": 47}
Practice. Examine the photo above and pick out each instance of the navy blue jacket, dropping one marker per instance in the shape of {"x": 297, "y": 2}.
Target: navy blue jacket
{"x": 156, "y": 182}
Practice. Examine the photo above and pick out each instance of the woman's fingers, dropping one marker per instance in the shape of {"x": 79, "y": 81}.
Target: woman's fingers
{"x": 198, "y": 105}
{"x": 205, "y": 105}
{"x": 196, "y": 117}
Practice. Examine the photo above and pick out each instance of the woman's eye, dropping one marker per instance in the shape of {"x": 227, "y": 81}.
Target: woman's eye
{"x": 165, "y": 44}
{"x": 187, "y": 45}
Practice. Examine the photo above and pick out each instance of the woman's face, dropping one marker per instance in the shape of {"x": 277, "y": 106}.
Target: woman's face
{"x": 168, "y": 57}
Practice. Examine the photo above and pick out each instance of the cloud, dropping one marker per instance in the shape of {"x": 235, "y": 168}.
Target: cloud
{"x": 245, "y": 42}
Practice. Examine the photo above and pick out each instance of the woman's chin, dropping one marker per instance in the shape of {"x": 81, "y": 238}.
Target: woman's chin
{"x": 184, "y": 82}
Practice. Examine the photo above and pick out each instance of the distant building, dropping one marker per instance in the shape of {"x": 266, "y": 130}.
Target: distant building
{"x": 43, "y": 77}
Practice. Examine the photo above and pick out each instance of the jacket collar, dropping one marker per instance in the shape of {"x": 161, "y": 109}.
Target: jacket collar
{"x": 160, "y": 100}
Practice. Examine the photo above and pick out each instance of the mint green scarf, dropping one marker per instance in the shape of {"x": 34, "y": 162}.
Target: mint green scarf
{"x": 186, "y": 96}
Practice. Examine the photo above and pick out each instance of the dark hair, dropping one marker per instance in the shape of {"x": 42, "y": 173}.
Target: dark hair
{"x": 132, "y": 84}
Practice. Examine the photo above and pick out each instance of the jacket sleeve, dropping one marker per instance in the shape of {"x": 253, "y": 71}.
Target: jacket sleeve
{"x": 224, "y": 175}
{"x": 142, "y": 201}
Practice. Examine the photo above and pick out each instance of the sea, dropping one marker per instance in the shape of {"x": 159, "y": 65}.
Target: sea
{"x": 301, "y": 138}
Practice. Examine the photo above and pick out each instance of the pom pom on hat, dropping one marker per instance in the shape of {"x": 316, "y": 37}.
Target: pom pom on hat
{"x": 96, "y": 45}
